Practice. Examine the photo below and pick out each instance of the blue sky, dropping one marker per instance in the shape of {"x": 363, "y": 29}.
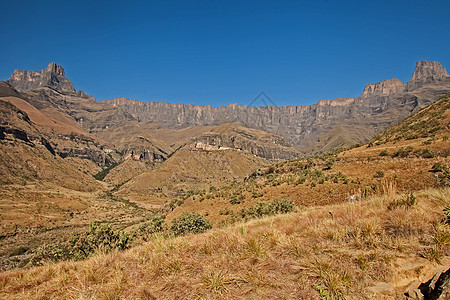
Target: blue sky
{"x": 218, "y": 52}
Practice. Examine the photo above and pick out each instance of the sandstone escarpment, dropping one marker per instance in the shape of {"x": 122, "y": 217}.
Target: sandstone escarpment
{"x": 385, "y": 87}
{"x": 380, "y": 105}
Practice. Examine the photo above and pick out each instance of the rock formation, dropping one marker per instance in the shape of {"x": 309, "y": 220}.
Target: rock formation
{"x": 52, "y": 76}
{"x": 52, "y": 128}
{"x": 385, "y": 87}
{"x": 313, "y": 129}
{"x": 427, "y": 72}
{"x": 310, "y": 128}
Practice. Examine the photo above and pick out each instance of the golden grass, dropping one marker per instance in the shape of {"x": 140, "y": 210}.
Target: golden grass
{"x": 307, "y": 254}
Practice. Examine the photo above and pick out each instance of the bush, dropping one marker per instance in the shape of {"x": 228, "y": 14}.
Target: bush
{"x": 82, "y": 245}
{"x": 262, "y": 209}
{"x": 190, "y": 223}
{"x": 283, "y": 206}
{"x": 102, "y": 174}
{"x": 427, "y": 154}
{"x": 407, "y": 201}
{"x": 96, "y": 237}
{"x": 329, "y": 163}
{"x": 156, "y": 224}
{"x": 447, "y": 213}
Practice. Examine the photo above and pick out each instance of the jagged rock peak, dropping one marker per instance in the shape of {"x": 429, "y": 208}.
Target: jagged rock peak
{"x": 54, "y": 68}
{"x": 52, "y": 76}
{"x": 385, "y": 87}
{"x": 427, "y": 72}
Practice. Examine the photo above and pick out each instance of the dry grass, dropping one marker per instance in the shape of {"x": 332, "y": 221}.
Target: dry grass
{"x": 306, "y": 255}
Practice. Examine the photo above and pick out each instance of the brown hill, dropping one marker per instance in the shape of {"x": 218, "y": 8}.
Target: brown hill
{"x": 27, "y": 151}
{"x": 190, "y": 169}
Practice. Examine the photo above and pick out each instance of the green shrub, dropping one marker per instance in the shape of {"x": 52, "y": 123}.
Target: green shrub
{"x": 50, "y": 253}
{"x": 283, "y": 206}
{"x": 447, "y": 213}
{"x": 96, "y": 237}
{"x": 102, "y": 174}
{"x": 438, "y": 167}
{"x": 329, "y": 163}
{"x": 237, "y": 199}
{"x": 403, "y": 152}
{"x": 190, "y": 223}
{"x": 427, "y": 154}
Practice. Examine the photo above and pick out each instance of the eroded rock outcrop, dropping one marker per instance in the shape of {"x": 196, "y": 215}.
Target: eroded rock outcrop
{"x": 53, "y": 76}
{"x": 385, "y": 87}
{"x": 258, "y": 143}
{"x": 427, "y": 72}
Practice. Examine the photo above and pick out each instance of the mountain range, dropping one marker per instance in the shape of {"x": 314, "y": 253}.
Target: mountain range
{"x": 152, "y": 131}
{"x": 317, "y": 128}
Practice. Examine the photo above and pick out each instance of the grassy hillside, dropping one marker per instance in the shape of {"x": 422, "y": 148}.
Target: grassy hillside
{"x": 189, "y": 169}
{"x": 328, "y": 252}
{"x": 432, "y": 122}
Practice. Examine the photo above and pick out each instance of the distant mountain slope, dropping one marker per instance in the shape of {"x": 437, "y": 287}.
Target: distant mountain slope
{"x": 117, "y": 130}
{"x": 379, "y": 106}
{"x": 431, "y": 122}
{"x": 64, "y": 135}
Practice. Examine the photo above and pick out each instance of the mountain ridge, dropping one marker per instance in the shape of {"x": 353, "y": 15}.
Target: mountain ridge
{"x": 379, "y": 106}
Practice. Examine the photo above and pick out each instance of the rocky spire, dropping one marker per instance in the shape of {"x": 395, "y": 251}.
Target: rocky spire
{"x": 427, "y": 72}
{"x": 52, "y": 76}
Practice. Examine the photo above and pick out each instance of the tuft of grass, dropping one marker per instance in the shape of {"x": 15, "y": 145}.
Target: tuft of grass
{"x": 216, "y": 282}
{"x": 407, "y": 201}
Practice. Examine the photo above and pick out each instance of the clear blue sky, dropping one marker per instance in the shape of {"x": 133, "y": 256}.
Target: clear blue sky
{"x": 217, "y": 52}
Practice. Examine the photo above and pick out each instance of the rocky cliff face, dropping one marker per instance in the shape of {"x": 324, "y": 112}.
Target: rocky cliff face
{"x": 385, "y": 87}
{"x": 52, "y": 76}
{"x": 380, "y": 105}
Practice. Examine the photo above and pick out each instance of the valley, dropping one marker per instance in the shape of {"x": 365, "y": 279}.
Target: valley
{"x": 342, "y": 198}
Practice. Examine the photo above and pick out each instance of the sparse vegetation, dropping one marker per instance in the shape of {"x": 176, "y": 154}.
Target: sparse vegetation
{"x": 379, "y": 174}
{"x": 102, "y": 174}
